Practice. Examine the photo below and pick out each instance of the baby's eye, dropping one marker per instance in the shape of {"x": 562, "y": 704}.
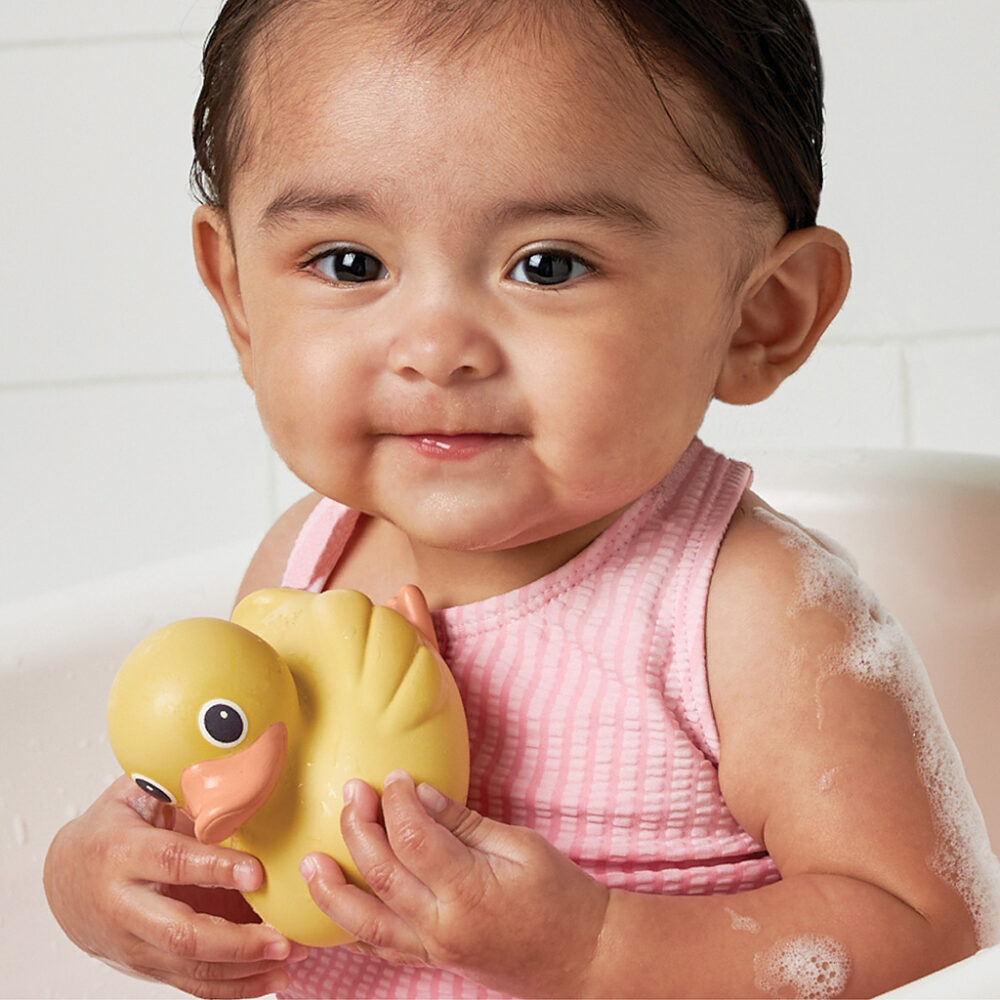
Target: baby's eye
{"x": 544, "y": 268}
{"x": 348, "y": 265}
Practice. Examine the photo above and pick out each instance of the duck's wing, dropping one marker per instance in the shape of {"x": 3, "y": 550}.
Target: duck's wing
{"x": 338, "y": 643}
{"x": 374, "y": 693}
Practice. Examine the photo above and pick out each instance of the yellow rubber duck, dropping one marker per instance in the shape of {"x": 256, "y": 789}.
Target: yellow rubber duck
{"x": 252, "y": 727}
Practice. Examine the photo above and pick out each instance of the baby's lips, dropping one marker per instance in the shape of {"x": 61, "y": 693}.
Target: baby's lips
{"x": 222, "y": 794}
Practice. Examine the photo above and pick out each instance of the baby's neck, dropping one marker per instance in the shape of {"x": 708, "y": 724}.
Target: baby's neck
{"x": 380, "y": 559}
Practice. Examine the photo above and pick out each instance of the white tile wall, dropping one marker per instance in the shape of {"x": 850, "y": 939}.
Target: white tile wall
{"x": 73, "y": 21}
{"x": 852, "y": 392}
{"x": 101, "y": 280}
{"x": 127, "y": 433}
{"x": 954, "y": 396}
{"x": 110, "y": 475}
{"x": 913, "y": 89}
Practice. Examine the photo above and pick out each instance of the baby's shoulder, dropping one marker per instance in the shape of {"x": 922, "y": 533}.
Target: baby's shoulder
{"x": 267, "y": 566}
{"x": 776, "y": 582}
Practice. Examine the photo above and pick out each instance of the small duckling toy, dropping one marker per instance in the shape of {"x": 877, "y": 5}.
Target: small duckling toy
{"x": 252, "y": 727}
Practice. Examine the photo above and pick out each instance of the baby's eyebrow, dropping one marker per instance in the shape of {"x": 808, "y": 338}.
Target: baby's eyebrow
{"x": 597, "y": 205}
{"x": 297, "y": 201}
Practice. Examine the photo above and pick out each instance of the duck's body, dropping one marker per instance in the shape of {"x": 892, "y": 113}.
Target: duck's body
{"x": 355, "y": 691}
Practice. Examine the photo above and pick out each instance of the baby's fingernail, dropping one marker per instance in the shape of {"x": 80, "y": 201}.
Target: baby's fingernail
{"x": 278, "y": 950}
{"x": 351, "y": 791}
{"x": 398, "y": 775}
{"x": 245, "y": 876}
{"x": 307, "y": 867}
{"x": 299, "y": 953}
{"x": 433, "y": 800}
{"x": 277, "y": 983}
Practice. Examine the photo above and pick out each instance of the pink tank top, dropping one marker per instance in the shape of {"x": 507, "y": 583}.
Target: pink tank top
{"x": 589, "y": 714}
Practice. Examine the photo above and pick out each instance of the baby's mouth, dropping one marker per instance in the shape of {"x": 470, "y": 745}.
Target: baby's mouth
{"x": 456, "y": 446}
{"x": 450, "y": 442}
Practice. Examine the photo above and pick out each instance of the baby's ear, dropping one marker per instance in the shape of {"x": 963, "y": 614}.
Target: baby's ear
{"x": 794, "y": 295}
{"x": 213, "y": 253}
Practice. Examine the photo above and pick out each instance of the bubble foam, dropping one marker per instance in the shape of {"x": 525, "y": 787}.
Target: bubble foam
{"x": 740, "y": 922}
{"x": 814, "y": 968}
{"x": 880, "y": 653}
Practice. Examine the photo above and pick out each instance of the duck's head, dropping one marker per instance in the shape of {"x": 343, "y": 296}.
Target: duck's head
{"x": 200, "y": 715}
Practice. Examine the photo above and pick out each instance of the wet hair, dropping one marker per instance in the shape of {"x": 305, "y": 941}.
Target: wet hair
{"x": 754, "y": 63}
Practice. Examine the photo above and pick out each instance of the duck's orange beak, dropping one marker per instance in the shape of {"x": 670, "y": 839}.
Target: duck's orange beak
{"x": 220, "y": 795}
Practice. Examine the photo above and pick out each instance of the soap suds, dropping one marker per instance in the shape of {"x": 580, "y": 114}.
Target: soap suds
{"x": 827, "y": 779}
{"x": 739, "y": 922}
{"x": 880, "y": 653}
{"x": 814, "y": 968}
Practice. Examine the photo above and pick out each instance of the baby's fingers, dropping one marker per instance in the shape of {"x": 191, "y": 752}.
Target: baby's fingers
{"x": 378, "y": 928}
{"x": 263, "y": 984}
{"x": 173, "y": 859}
{"x": 222, "y": 982}
{"x": 207, "y": 955}
{"x": 175, "y": 929}
{"x": 441, "y": 841}
{"x": 374, "y": 854}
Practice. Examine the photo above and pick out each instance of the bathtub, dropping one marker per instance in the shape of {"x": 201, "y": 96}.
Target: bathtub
{"x": 58, "y": 655}
{"x": 924, "y": 527}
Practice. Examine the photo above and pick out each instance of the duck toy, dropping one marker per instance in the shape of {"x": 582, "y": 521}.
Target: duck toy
{"x": 252, "y": 726}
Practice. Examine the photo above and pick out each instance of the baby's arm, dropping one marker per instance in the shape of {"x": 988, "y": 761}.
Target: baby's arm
{"x": 827, "y": 740}
{"x": 817, "y": 763}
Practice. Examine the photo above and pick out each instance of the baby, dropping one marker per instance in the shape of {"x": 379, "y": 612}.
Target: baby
{"x": 485, "y": 264}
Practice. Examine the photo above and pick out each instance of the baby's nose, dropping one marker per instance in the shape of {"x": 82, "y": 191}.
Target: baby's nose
{"x": 445, "y": 347}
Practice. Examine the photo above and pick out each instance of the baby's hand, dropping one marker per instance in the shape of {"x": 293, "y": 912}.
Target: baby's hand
{"x": 110, "y": 876}
{"x": 496, "y": 903}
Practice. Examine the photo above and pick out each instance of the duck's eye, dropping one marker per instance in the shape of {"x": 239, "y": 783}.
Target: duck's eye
{"x": 151, "y": 787}
{"x": 222, "y": 722}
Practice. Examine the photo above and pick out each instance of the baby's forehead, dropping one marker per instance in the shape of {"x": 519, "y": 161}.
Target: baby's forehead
{"x": 505, "y": 33}
{"x": 571, "y": 63}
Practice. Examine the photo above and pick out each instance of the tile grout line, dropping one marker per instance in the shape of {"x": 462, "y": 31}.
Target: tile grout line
{"x": 65, "y": 42}
{"x": 906, "y": 398}
{"x": 924, "y": 337}
{"x": 112, "y": 381}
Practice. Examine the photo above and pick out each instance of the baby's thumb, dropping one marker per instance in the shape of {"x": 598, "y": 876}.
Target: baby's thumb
{"x": 465, "y": 824}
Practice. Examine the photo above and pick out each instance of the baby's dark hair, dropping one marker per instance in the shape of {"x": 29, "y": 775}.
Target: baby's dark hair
{"x": 756, "y": 62}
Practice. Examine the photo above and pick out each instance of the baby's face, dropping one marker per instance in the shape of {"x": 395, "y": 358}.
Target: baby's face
{"x": 486, "y": 296}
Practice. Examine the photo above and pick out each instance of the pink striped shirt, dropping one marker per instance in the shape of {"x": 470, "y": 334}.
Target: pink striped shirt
{"x": 589, "y": 714}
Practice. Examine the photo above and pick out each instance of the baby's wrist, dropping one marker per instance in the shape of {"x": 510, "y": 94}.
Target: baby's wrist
{"x": 596, "y": 977}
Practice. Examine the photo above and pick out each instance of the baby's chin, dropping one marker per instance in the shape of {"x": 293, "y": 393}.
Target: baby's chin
{"x": 456, "y": 528}
{"x": 471, "y": 529}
